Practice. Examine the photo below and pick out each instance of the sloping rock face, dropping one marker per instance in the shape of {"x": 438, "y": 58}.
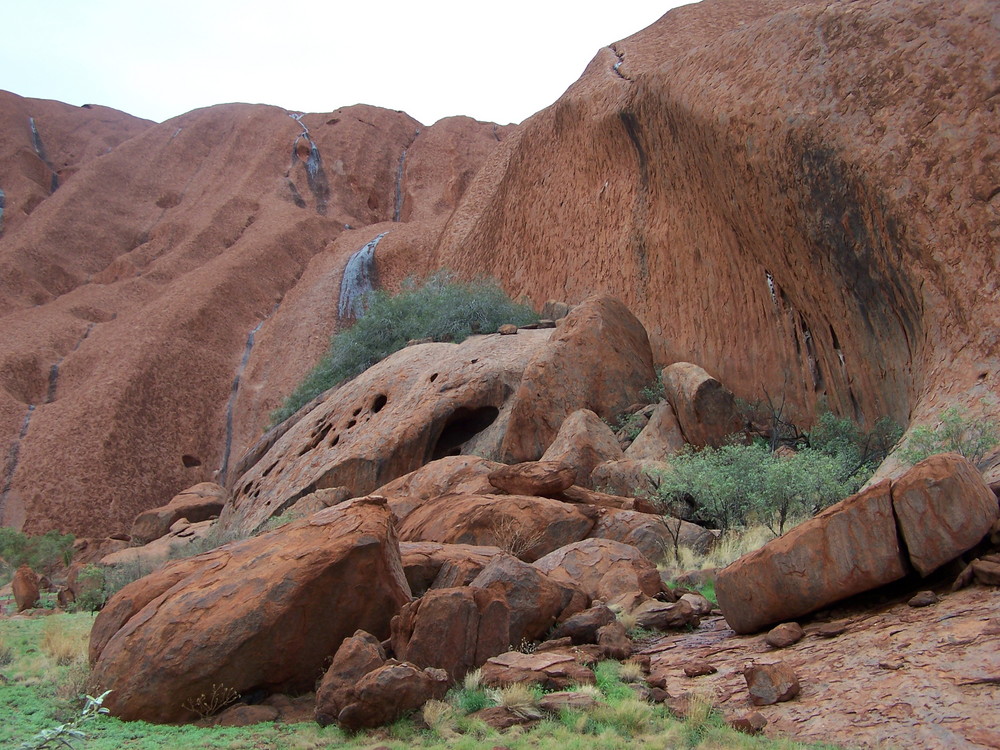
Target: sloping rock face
{"x": 132, "y": 297}
{"x": 262, "y": 614}
{"x": 785, "y": 193}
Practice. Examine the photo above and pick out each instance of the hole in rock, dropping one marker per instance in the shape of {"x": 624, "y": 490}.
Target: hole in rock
{"x": 351, "y": 423}
{"x": 269, "y": 469}
{"x": 380, "y": 401}
{"x": 434, "y": 377}
{"x": 463, "y": 425}
{"x": 190, "y": 461}
{"x": 336, "y": 439}
{"x": 333, "y": 121}
{"x": 356, "y": 412}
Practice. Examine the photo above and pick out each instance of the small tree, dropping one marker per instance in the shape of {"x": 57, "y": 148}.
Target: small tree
{"x": 972, "y": 437}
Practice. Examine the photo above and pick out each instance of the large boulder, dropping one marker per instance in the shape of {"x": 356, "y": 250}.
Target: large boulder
{"x": 431, "y": 565}
{"x": 535, "y": 600}
{"x": 420, "y": 404}
{"x": 526, "y": 527}
{"x": 598, "y": 359}
{"x": 25, "y": 588}
{"x": 628, "y": 477}
{"x": 660, "y": 438}
{"x": 198, "y": 503}
{"x": 540, "y": 478}
{"x": 706, "y": 409}
{"x": 603, "y": 568}
{"x": 263, "y": 614}
{"x": 583, "y": 441}
{"x": 455, "y": 629}
{"x": 943, "y": 508}
{"x": 848, "y": 548}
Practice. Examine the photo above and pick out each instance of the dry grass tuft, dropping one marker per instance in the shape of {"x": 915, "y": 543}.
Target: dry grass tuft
{"x": 440, "y": 717}
{"x": 518, "y": 699}
{"x": 62, "y": 647}
{"x": 473, "y": 680}
{"x": 631, "y": 671}
{"x": 729, "y": 548}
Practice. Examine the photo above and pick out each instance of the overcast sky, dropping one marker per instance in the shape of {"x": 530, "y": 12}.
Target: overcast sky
{"x": 499, "y": 61}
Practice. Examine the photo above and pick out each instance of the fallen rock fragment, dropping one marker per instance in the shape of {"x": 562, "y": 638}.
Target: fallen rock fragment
{"x": 198, "y": 503}
{"x": 552, "y": 670}
{"x": 784, "y": 635}
{"x": 582, "y": 627}
{"x": 602, "y": 568}
{"x": 614, "y": 641}
{"x": 753, "y": 723}
{"x": 666, "y": 616}
{"x": 584, "y": 441}
{"x": 386, "y": 693}
{"x": 455, "y": 629}
{"x": 771, "y": 683}
{"x": 705, "y": 409}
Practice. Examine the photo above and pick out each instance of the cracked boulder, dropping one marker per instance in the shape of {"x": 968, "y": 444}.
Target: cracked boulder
{"x": 848, "y": 548}
{"x": 941, "y": 507}
{"x": 259, "y": 615}
{"x": 944, "y": 508}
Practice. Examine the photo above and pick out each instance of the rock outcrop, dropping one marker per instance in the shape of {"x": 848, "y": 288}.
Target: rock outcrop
{"x": 198, "y": 503}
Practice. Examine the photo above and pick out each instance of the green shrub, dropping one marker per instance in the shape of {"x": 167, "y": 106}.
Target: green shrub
{"x": 43, "y": 553}
{"x": 91, "y": 583}
{"x": 968, "y": 436}
{"x": 441, "y": 309}
{"x": 734, "y": 485}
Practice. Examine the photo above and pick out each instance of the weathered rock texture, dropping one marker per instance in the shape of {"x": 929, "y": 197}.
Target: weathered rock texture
{"x": 128, "y": 296}
{"x": 799, "y": 197}
{"x": 786, "y": 214}
{"x": 263, "y": 614}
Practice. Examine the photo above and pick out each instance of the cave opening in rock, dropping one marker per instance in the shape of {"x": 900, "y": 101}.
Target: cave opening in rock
{"x": 463, "y": 425}
{"x": 190, "y": 461}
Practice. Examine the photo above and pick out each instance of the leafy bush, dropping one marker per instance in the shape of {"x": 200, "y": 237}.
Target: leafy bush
{"x": 735, "y": 485}
{"x": 441, "y": 309}
{"x": 971, "y": 437}
{"x": 43, "y": 553}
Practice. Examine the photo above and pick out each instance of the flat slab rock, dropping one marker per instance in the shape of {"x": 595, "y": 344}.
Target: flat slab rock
{"x": 938, "y": 689}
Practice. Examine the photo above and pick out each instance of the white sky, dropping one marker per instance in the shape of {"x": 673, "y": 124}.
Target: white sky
{"x": 499, "y": 61}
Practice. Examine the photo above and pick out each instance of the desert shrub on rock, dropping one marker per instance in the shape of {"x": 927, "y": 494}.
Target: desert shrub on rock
{"x": 735, "y": 485}
{"x": 958, "y": 432}
{"x": 442, "y": 308}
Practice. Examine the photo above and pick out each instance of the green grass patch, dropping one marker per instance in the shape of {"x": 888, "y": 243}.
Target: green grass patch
{"x": 40, "y": 689}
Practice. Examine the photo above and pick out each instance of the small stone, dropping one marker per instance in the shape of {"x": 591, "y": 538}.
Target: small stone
{"x": 831, "y": 629}
{"x": 699, "y": 668}
{"x": 658, "y": 695}
{"x": 771, "y": 683}
{"x": 924, "y": 599}
{"x": 784, "y": 635}
{"x": 752, "y": 723}
{"x": 507, "y": 329}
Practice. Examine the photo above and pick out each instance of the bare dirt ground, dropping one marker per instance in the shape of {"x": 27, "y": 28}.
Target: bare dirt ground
{"x": 897, "y": 676}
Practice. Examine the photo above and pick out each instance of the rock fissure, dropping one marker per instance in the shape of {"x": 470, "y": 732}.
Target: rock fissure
{"x": 617, "y": 66}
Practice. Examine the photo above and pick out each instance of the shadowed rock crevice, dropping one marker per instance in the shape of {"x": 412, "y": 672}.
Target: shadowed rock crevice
{"x": 463, "y": 425}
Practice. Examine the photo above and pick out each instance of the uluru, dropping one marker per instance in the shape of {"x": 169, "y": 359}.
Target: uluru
{"x": 741, "y": 225}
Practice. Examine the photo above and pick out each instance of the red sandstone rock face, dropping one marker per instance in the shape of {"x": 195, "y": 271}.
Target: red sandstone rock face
{"x": 799, "y": 197}
{"x": 264, "y": 613}
{"x": 35, "y": 163}
{"x": 127, "y": 298}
